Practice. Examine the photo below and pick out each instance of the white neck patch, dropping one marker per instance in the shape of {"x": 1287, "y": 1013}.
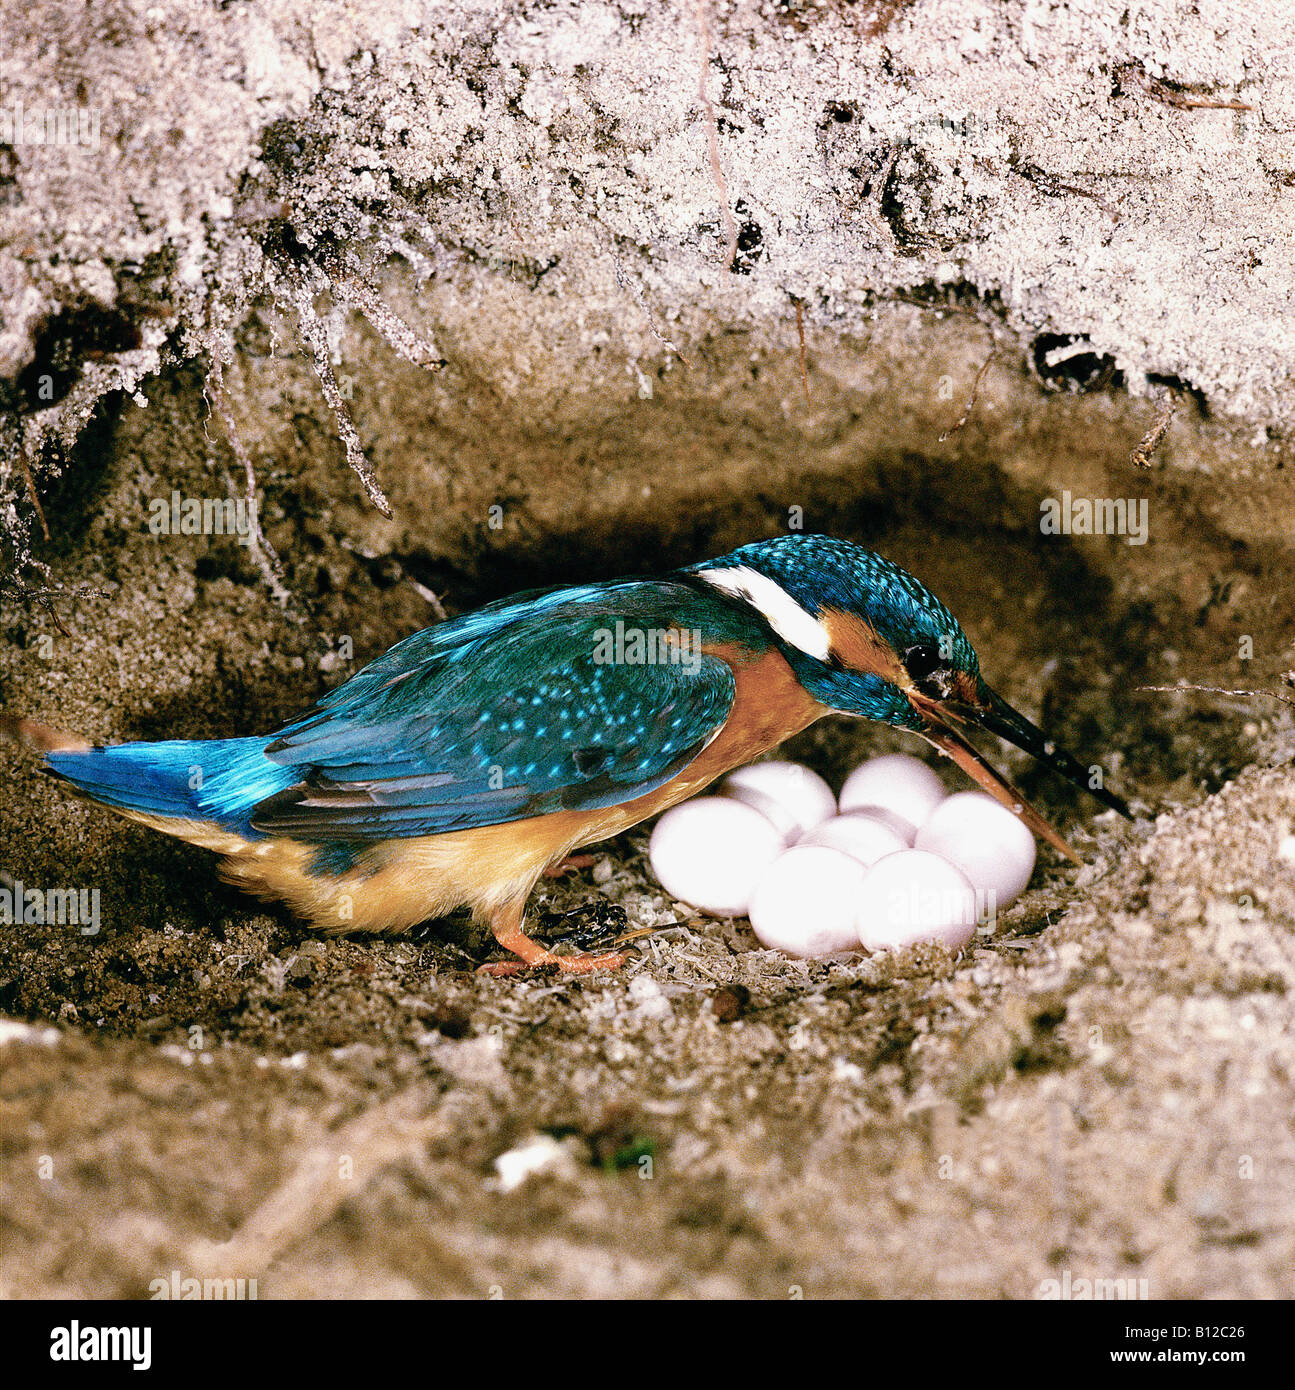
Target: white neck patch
{"x": 787, "y": 618}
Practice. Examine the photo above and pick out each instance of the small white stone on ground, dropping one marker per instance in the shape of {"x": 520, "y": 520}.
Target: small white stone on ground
{"x": 539, "y": 1154}
{"x": 649, "y": 998}
{"x": 15, "y": 1030}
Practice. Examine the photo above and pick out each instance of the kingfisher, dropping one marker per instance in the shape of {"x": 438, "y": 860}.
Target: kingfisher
{"x": 476, "y": 754}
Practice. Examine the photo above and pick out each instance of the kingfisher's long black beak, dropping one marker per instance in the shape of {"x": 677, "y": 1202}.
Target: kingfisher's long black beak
{"x": 945, "y": 720}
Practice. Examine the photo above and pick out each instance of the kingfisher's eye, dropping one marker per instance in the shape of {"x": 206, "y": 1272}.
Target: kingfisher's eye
{"x": 929, "y": 671}
{"x": 920, "y": 661}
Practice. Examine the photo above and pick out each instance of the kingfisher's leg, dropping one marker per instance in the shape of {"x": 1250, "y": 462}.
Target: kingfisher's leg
{"x": 568, "y": 865}
{"x": 507, "y": 927}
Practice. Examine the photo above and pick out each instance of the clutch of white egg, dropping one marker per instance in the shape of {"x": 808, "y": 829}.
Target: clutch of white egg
{"x": 896, "y": 862}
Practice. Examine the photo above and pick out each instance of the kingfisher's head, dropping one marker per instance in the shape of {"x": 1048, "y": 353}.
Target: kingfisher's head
{"x": 866, "y": 638}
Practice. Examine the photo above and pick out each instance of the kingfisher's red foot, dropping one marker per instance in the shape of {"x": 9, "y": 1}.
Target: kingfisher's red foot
{"x": 572, "y": 965}
{"x": 507, "y": 929}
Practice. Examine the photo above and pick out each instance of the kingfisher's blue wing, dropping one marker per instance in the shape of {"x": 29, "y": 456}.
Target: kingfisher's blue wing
{"x": 510, "y": 712}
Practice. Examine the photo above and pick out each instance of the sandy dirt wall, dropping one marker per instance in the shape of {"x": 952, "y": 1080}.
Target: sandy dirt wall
{"x": 1116, "y": 187}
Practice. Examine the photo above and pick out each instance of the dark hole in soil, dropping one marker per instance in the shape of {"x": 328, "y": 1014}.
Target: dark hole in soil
{"x": 82, "y": 329}
{"x": 1075, "y": 371}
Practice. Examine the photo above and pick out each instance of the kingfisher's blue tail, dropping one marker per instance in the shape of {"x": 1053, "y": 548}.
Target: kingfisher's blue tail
{"x": 214, "y": 780}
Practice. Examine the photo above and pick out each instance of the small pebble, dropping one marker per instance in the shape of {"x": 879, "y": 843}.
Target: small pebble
{"x": 450, "y": 1020}
{"x": 915, "y": 896}
{"x": 539, "y": 1154}
{"x": 993, "y": 847}
{"x": 904, "y": 786}
{"x": 710, "y": 853}
{"x": 730, "y": 1002}
{"x": 807, "y": 902}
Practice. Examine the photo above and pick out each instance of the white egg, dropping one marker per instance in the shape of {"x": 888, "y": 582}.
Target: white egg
{"x": 779, "y": 816}
{"x": 792, "y": 796}
{"x": 807, "y": 902}
{"x": 711, "y": 851}
{"x": 862, "y": 835}
{"x": 906, "y": 830}
{"x": 990, "y": 844}
{"x": 915, "y": 896}
{"x": 904, "y": 786}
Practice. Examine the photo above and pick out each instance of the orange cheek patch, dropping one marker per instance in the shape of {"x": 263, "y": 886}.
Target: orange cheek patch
{"x": 859, "y": 646}
{"x": 964, "y": 688}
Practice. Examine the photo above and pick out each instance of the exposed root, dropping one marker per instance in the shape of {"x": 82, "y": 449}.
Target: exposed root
{"x": 800, "y": 333}
{"x": 326, "y": 1175}
{"x": 16, "y": 591}
{"x": 31, "y": 489}
{"x": 1132, "y": 75}
{"x": 294, "y": 288}
{"x": 346, "y": 285}
{"x": 624, "y": 280}
{"x": 355, "y": 294}
{"x": 971, "y": 399}
{"x": 263, "y": 553}
{"x": 432, "y": 600}
{"x": 1217, "y": 690}
{"x": 1055, "y": 187}
{"x": 702, "y": 11}
{"x": 1167, "y": 405}
{"x": 16, "y": 556}
{"x": 876, "y": 196}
